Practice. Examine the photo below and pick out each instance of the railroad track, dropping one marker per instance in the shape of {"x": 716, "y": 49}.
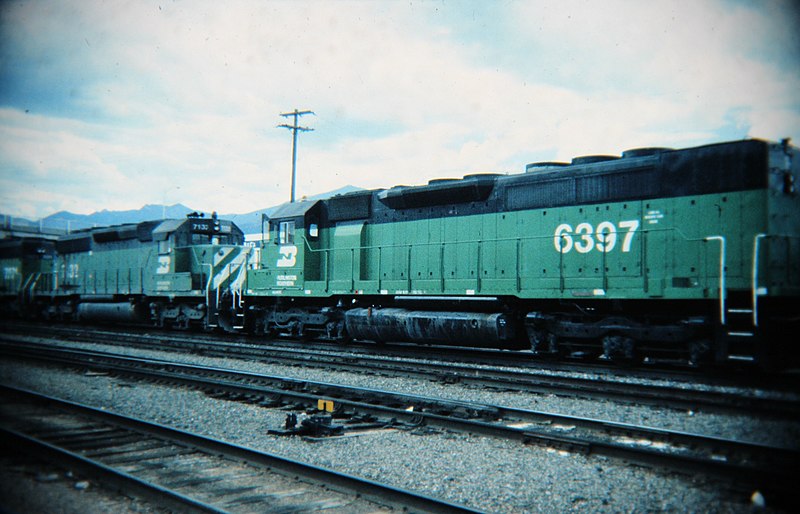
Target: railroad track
{"x": 744, "y": 375}
{"x": 184, "y": 471}
{"x": 691, "y": 396}
{"x": 740, "y": 464}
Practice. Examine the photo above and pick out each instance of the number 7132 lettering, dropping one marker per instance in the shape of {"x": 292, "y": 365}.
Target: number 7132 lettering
{"x": 584, "y": 238}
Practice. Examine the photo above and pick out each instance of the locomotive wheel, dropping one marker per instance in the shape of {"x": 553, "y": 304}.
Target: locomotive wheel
{"x": 543, "y": 343}
{"x": 181, "y": 322}
{"x": 700, "y": 352}
{"x": 336, "y": 331}
{"x": 618, "y": 347}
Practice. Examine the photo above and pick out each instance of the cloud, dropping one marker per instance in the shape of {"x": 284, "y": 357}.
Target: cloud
{"x": 710, "y": 56}
{"x": 145, "y": 103}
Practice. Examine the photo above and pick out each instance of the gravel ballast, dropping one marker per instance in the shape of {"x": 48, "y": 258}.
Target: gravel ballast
{"x": 762, "y": 430}
{"x": 489, "y": 474}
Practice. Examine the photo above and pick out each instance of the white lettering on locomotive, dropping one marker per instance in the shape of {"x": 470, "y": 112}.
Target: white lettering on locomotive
{"x": 652, "y": 217}
{"x": 286, "y": 280}
{"x": 603, "y": 238}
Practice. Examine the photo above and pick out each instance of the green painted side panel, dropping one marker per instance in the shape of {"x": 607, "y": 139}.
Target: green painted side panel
{"x": 180, "y": 283}
{"x": 282, "y": 267}
{"x": 183, "y": 271}
{"x": 128, "y": 271}
{"x": 663, "y": 248}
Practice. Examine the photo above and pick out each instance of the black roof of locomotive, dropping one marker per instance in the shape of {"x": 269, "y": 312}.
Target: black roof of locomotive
{"x": 135, "y": 233}
{"x": 637, "y": 174}
{"x": 716, "y": 168}
{"x": 13, "y": 248}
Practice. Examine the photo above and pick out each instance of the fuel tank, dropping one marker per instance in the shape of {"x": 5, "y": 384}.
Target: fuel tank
{"x": 112, "y": 311}
{"x": 434, "y": 327}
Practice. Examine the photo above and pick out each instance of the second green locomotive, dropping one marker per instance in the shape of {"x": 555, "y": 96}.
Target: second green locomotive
{"x": 176, "y": 273}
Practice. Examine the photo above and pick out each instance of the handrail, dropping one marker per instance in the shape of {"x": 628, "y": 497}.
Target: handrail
{"x": 754, "y": 285}
{"x": 208, "y": 290}
{"x": 721, "y": 240}
{"x": 28, "y": 286}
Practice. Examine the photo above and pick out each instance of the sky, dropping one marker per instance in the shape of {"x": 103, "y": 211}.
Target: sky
{"x": 118, "y": 104}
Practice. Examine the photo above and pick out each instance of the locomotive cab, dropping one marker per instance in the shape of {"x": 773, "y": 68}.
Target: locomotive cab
{"x": 185, "y": 247}
{"x": 294, "y": 262}
{"x": 199, "y": 258}
{"x": 292, "y": 254}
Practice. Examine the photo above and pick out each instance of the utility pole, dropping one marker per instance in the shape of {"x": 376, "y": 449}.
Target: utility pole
{"x": 294, "y": 128}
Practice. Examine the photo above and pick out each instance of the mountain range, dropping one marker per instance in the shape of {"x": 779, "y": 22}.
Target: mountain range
{"x": 66, "y": 221}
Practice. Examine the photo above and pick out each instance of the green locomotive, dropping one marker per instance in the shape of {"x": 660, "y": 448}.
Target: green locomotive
{"x": 176, "y": 273}
{"x": 26, "y": 265}
{"x": 692, "y": 253}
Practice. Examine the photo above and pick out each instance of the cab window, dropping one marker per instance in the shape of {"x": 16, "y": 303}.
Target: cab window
{"x": 286, "y": 232}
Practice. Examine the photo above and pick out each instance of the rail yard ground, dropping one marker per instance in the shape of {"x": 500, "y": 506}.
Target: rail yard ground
{"x": 484, "y": 473}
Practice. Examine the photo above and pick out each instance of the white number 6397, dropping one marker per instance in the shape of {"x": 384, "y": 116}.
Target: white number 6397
{"x": 585, "y": 238}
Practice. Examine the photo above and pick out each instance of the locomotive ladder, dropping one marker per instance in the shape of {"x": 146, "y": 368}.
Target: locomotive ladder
{"x": 214, "y": 298}
{"x": 237, "y": 299}
{"x": 237, "y": 307}
{"x": 212, "y": 309}
{"x": 738, "y": 313}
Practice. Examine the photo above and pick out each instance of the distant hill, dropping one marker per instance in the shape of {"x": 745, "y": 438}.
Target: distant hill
{"x": 71, "y": 221}
{"x": 249, "y": 222}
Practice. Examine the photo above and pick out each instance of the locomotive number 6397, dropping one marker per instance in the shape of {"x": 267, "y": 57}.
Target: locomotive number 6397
{"x": 585, "y": 237}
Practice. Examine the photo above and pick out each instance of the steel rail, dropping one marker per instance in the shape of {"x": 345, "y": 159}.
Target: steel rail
{"x": 741, "y": 376}
{"x": 747, "y": 375}
{"x": 121, "y": 481}
{"x": 765, "y": 467}
{"x": 370, "y": 491}
{"x": 659, "y": 395}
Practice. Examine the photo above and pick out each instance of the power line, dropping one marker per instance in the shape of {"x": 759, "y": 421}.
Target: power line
{"x": 294, "y": 128}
